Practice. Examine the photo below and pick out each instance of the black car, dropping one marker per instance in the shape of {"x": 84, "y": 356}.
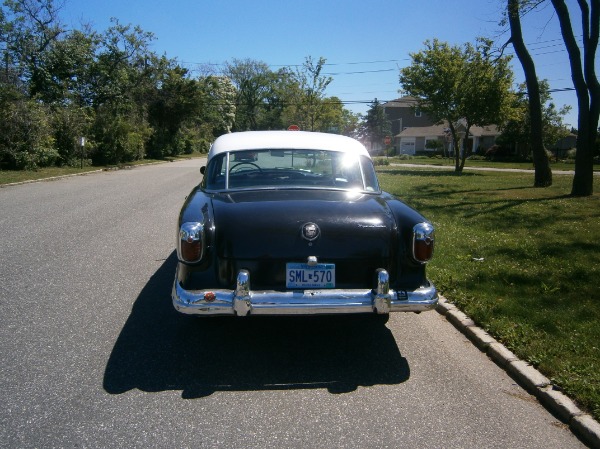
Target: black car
{"x": 303, "y": 228}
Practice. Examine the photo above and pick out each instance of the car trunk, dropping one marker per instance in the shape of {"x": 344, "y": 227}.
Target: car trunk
{"x": 261, "y": 231}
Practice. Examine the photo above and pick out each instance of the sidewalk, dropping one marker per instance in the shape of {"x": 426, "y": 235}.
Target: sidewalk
{"x": 514, "y": 170}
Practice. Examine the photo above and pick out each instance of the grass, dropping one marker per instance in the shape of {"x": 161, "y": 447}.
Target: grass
{"x": 438, "y": 161}
{"x": 12, "y": 176}
{"x": 524, "y": 263}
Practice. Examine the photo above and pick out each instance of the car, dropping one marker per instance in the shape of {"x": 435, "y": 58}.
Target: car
{"x": 302, "y": 229}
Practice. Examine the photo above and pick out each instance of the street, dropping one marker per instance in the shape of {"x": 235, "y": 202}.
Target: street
{"x": 92, "y": 353}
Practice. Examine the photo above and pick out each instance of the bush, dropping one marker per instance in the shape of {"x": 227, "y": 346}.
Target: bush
{"x": 26, "y": 141}
{"x": 476, "y": 157}
{"x": 405, "y": 157}
{"x": 381, "y": 161}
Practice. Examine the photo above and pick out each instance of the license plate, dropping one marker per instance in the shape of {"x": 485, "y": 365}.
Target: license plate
{"x": 302, "y": 275}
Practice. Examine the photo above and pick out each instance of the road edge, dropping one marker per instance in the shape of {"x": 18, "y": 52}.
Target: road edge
{"x": 582, "y": 424}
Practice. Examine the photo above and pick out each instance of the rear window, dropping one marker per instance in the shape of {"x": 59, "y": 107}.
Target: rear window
{"x": 275, "y": 168}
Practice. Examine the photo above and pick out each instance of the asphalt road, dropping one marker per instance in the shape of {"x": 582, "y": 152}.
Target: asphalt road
{"x": 92, "y": 354}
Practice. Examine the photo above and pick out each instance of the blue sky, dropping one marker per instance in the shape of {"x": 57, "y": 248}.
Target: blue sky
{"x": 364, "y": 42}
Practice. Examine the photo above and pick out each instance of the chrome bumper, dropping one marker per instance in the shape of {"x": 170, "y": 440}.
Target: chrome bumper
{"x": 243, "y": 301}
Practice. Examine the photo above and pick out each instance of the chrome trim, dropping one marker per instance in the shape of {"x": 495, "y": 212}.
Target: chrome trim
{"x": 310, "y": 231}
{"x": 191, "y": 232}
{"x": 425, "y": 232}
{"x": 243, "y": 301}
{"x": 242, "y": 304}
{"x": 383, "y": 300}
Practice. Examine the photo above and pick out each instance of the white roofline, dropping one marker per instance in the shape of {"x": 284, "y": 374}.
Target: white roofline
{"x": 288, "y": 140}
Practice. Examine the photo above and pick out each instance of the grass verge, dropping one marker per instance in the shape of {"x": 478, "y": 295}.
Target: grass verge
{"x": 524, "y": 263}
{"x": 446, "y": 162}
{"x": 12, "y": 176}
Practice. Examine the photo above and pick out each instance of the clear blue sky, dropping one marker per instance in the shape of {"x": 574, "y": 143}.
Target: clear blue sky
{"x": 364, "y": 42}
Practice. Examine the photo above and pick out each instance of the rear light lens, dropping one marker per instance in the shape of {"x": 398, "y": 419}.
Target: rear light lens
{"x": 423, "y": 242}
{"x": 190, "y": 244}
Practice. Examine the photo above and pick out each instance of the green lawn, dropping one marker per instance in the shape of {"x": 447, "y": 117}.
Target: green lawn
{"x": 11, "y": 176}
{"x": 524, "y": 263}
{"x": 423, "y": 160}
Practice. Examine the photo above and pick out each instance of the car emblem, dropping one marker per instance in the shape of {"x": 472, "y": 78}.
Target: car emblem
{"x": 310, "y": 231}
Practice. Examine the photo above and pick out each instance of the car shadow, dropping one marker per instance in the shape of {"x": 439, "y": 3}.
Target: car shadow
{"x": 160, "y": 349}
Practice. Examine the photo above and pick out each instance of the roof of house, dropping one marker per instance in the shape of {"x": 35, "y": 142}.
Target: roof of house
{"x": 401, "y": 102}
{"x": 441, "y": 130}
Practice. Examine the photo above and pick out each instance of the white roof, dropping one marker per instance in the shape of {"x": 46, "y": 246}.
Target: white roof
{"x": 286, "y": 140}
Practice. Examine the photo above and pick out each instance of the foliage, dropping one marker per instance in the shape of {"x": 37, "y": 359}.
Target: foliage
{"x": 252, "y": 81}
{"x": 463, "y": 86}
{"x": 128, "y": 102}
{"x": 376, "y": 126}
{"x": 308, "y": 101}
{"x": 516, "y": 132}
{"x": 26, "y": 140}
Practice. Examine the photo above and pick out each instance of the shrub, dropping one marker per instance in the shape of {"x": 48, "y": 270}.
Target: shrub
{"x": 381, "y": 161}
{"x": 26, "y": 141}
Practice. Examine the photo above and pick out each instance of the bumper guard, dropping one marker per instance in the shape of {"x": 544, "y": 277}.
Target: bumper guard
{"x": 243, "y": 301}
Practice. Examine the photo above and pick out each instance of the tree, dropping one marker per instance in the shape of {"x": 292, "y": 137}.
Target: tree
{"x": 462, "y": 86}
{"x": 26, "y": 140}
{"x": 252, "y": 80}
{"x": 376, "y": 126}
{"x": 33, "y": 31}
{"x": 587, "y": 87}
{"x": 543, "y": 173}
{"x": 309, "y": 102}
{"x": 516, "y": 133}
{"x": 125, "y": 75}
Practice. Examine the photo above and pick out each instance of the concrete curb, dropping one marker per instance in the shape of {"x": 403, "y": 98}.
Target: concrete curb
{"x": 100, "y": 170}
{"x": 583, "y": 425}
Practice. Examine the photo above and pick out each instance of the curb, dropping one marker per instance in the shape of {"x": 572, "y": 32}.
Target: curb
{"x": 583, "y": 425}
{"x": 100, "y": 170}
{"x": 51, "y": 178}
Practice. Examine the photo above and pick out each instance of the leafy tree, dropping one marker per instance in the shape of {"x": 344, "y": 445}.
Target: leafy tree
{"x": 336, "y": 119}
{"x": 31, "y": 29}
{"x": 176, "y": 99}
{"x": 26, "y": 140}
{"x": 125, "y": 75}
{"x": 67, "y": 69}
{"x": 219, "y": 110}
{"x": 517, "y": 131}
{"x": 376, "y": 126}
{"x": 252, "y": 80}
{"x": 460, "y": 85}
{"x": 309, "y": 98}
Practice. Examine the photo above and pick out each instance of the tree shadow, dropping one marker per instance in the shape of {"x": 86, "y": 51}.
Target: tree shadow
{"x": 434, "y": 173}
{"x": 159, "y": 349}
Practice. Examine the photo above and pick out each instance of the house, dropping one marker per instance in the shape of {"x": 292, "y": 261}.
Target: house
{"x": 562, "y": 147}
{"x": 414, "y": 132}
{"x": 404, "y": 113}
{"x": 432, "y": 139}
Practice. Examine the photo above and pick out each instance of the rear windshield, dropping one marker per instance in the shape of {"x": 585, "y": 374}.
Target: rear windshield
{"x": 290, "y": 169}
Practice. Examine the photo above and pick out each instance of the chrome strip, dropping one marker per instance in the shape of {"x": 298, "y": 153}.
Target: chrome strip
{"x": 244, "y": 301}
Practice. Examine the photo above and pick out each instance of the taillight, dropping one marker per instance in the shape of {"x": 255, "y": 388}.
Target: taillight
{"x": 190, "y": 244}
{"x": 423, "y": 242}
